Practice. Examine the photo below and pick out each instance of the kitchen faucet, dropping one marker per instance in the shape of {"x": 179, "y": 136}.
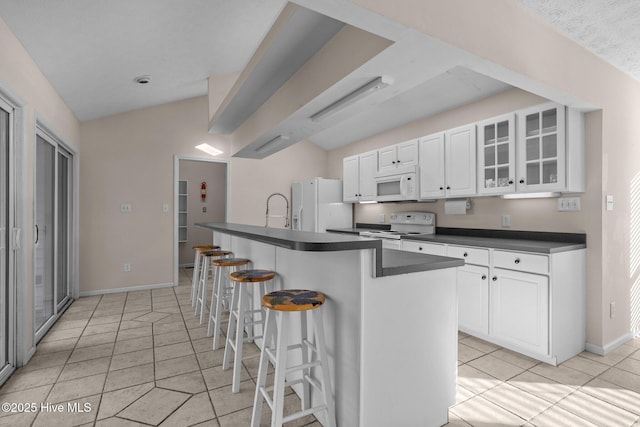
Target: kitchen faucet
{"x": 286, "y": 216}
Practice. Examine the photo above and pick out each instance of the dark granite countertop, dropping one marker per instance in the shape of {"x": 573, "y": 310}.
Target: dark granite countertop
{"x": 522, "y": 245}
{"x": 524, "y": 241}
{"x": 388, "y": 262}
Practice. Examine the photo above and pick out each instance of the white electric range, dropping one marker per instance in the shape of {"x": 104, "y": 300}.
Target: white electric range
{"x": 404, "y": 224}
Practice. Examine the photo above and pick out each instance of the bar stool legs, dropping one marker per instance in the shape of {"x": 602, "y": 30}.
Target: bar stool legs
{"x": 220, "y": 294}
{"x": 201, "y": 295}
{"x": 280, "y": 304}
{"x": 197, "y": 267}
{"x": 241, "y": 317}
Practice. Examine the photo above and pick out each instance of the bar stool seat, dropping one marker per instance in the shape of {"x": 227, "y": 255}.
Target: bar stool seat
{"x": 201, "y": 295}
{"x": 197, "y": 267}
{"x": 220, "y": 294}
{"x": 238, "y": 318}
{"x": 279, "y": 306}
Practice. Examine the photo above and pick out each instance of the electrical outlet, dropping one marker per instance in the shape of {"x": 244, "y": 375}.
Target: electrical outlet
{"x": 127, "y": 268}
{"x": 506, "y": 220}
{"x": 165, "y": 207}
{"x": 204, "y": 209}
{"x": 125, "y": 208}
{"x": 569, "y": 204}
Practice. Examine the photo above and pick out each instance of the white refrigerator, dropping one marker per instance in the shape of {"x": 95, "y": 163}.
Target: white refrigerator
{"x": 316, "y": 204}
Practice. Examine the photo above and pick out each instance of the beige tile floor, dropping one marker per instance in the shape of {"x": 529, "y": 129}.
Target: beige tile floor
{"x": 142, "y": 358}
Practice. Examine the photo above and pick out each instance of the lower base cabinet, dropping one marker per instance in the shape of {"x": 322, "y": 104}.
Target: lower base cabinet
{"x": 473, "y": 299}
{"x": 520, "y": 309}
{"x": 531, "y": 303}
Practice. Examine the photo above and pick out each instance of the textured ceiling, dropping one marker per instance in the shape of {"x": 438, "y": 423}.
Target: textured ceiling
{"x": 91, "y": 50}
{"x": 608, "y": 28}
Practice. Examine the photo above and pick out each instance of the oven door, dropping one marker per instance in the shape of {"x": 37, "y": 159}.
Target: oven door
{"x": 393, "y": 188}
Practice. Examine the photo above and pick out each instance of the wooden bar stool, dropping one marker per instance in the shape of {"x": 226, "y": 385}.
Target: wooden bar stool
{"x": 197, "y": 267}
{"x": 238, "y": 318}
{"x": 221, "y": 292}
{"x": 201, "y": 295}
{"x": 281, "y": 304}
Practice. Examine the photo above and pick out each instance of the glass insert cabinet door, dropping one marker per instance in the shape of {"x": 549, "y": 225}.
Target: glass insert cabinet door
{"x": 542, "y": 140}
{"x": 496, "y": 154}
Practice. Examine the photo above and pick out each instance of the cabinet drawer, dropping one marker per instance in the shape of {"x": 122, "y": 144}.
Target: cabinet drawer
{"x": 423, "y": 247}
{"x": 470, "y": 255}
{"x": 521, "y": 261}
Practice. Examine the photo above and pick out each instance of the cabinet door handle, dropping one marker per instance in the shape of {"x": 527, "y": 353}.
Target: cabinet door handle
{"x": 442, "y": 188}
{"x": 494, "y": 278}
{"x": 420, "y": 248}
{"x": 484, "y": 277}
{"x": 465, "y": 254}
{"x": 393, "y": 162}
{"x": 448, "y": 188}
{"x": 522, "y": 181}
{"x": 510, "y": 181}
{"x": 517, "y": 261}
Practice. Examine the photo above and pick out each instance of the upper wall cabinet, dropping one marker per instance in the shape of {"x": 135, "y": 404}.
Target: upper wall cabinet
{"x": 448, "y": 163}
{"x": 551, "y": 151}
{"x": 398, "y": 155}
{"x": 358, "y": 177}
{"x": 496, "y": 155}
{"x": 541, "y": 143}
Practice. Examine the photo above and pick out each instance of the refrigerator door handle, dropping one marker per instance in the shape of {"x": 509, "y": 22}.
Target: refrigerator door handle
{"x": 299, "y": 226}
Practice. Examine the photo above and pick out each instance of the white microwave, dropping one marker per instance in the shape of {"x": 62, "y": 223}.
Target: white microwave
{"x": 392, "y": 187}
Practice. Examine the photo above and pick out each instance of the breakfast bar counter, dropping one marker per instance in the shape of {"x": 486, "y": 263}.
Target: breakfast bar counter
{"x": 390, "y": 319}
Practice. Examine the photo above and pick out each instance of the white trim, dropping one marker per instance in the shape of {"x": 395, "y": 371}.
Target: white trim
{"x": 604, "y": 350}
{"x": 127, "y": 289}
{"x": 176, "y": 178}
{"x": 19, "y": 307}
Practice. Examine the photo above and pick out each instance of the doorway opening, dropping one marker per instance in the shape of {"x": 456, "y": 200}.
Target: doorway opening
{"x": 201, "y": 195}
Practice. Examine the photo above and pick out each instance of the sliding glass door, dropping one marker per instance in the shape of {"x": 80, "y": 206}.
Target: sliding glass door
{"x": 52, "y": 231}
{"x": 6, "y": 311}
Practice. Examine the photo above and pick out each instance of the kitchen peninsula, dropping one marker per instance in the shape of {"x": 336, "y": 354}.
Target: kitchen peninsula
{"x": 390, "y": 320}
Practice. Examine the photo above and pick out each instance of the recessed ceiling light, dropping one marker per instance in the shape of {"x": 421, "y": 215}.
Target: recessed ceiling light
{"x": 143, "y": 80}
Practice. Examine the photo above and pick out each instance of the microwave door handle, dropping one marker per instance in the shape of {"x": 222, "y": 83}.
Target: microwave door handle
{"x": 403, "y": 186}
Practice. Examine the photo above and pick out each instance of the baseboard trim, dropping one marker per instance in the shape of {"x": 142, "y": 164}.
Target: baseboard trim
{"x": 128, "y": 289}
{"x": 603, "y": 350}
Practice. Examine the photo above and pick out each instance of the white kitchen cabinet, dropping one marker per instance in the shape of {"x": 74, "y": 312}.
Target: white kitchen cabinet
{"x": 448, "y": 163}
{"x": 460, "y": 161}
{"x": 496, "y": 155}
{"x": 431, "y": 155}
{"x": 531, "y": 303}
{"x": 395, "y": 156}
{"x": 473, "y": 299}
{"x": 423, "y": 247}
{"x": 358, "y": 179}
{"x": 520, "y": 309}
{"x": 541, "y": 148}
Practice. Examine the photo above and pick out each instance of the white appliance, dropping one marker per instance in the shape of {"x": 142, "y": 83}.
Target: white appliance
{"x": 404, "y": 224}
{"x": 396, "y": 185}
{"x": 317, "y": 205}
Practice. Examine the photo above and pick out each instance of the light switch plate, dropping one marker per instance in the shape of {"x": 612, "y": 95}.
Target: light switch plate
{"x": 165, "y": 207}
{"x": 125, "y": 207}
{"x": 381, "y": 218}
{"x": 506, "y": 220}
{"x": 609, "y": 203}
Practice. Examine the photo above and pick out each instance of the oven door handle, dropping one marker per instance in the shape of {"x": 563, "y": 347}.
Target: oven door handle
{"x": 403, "y": 186}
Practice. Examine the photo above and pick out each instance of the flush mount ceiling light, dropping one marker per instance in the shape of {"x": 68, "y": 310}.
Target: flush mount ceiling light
{"x": 143, "y": 80}
{"x": 272, "y": 144}
{"x": 362, "y": 92}
{"x": 212, "y": 151}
